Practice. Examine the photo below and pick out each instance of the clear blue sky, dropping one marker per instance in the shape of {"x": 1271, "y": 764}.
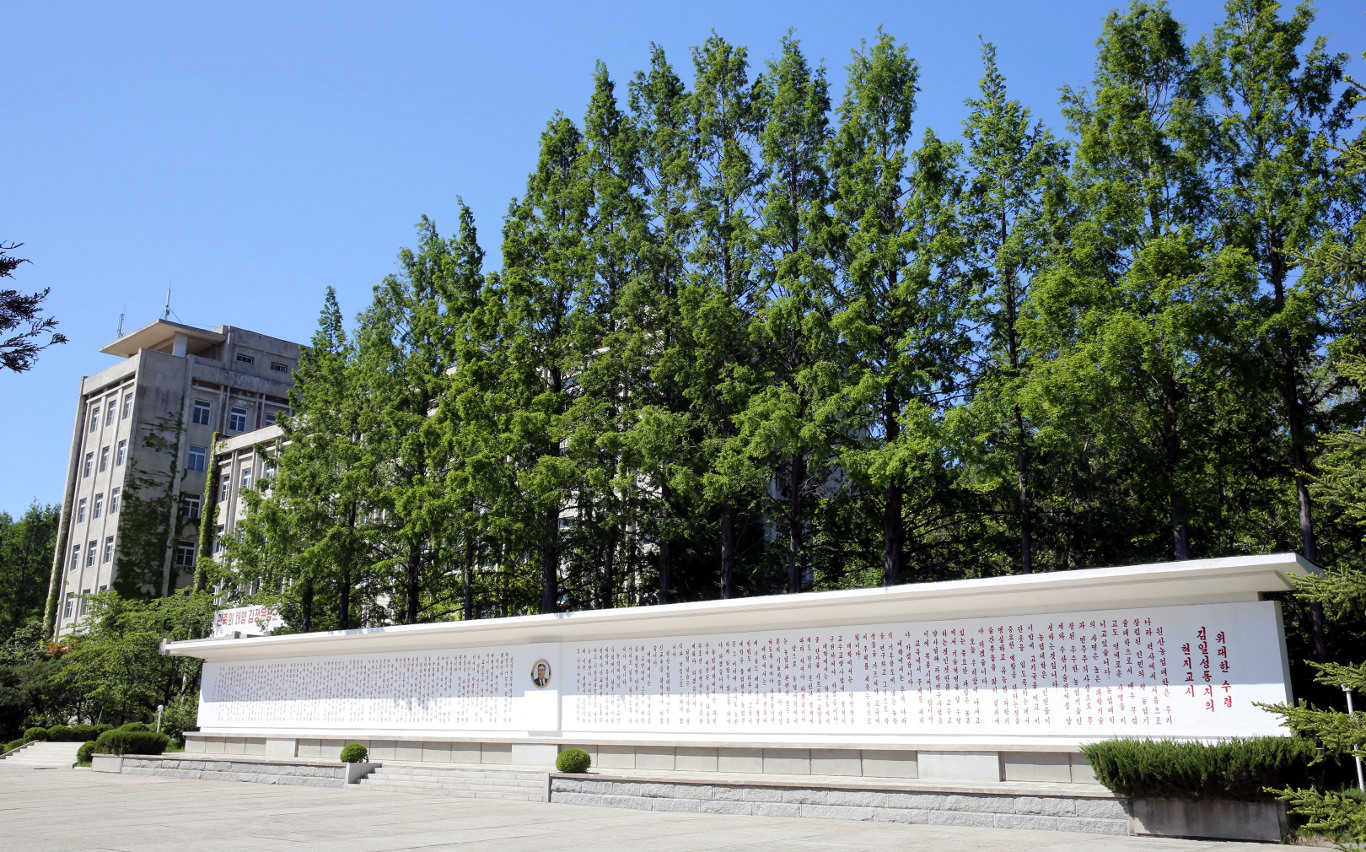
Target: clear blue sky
{"x": 250, "y": 154}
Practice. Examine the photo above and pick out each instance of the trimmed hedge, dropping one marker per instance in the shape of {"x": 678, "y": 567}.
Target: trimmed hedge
{"x": 85, "y": 752}
{"x": 11, "y": 746}
{"x": 76, "y": 733}
{"x": 130, "y": 740}
{"x": 1239, "y": 769}
{"x": 354, "y": 753}
{"x": 36, "y": 735}
{"x": 573, "y": 760}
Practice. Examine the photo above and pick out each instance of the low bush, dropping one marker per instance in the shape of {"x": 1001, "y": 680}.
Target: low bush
{"x": 354, "y": 753}
{"x": 11, "y": 746}
{"x": 85, "y": 752}
{"x": 36, "y": 735}
{"x": 131, "y": 741}
{"x": 134, "y": 726}
{"x": 573, "y": 760}
{"x": 1238, "y": 769}
{"x": 75, "y": 733}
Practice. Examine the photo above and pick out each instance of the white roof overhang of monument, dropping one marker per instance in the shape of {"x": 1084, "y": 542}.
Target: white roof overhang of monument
{"x": 1194, "y": 582}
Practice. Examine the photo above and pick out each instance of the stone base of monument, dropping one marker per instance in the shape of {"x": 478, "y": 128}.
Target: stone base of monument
{"x": 1264, "y": 821}
{"x": 256, "y": 770}
{"x": 1057, "y": 807}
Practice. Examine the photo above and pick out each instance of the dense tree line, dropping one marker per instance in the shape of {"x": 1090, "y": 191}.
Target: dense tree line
{"x": 750, "y": 338}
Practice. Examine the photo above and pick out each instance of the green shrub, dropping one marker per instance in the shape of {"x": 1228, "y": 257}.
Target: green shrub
{"x": 573, "y": 760}
{"x": 1237, "y": 769}
{"x": 84, "y": 733}
{"x": 354, "y": 753}
{"x": 60, "y": 734}
{"x": 131, "y": 741}
{"x": 134, "y": 726}
{"x": 85, "y": 752}
{"x": 36, "y": 735}
{"x": 11, "y": 746}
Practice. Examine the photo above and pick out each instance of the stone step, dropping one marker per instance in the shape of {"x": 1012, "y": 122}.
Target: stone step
{"x": 1085, "y": 814}
{"x": 459, "y": 782}
{"x": 61, "y": 755}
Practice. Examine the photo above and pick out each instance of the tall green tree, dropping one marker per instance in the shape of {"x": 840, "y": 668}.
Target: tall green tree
{"x": 1011, "y": 213}
{"x": 661, "y": 442}
{"x": 22, "y": 311}
{"x": 26, "y": 546}
{"x": 902, "y": 315}
{"x": 787, "y": 427}
{"x": 717, "y": 306}
{"x": 1279, "y": 110}
{"x": 405, "y": 344}
{"x": 1140, "y": 309}
{"x": 547, "y": 258}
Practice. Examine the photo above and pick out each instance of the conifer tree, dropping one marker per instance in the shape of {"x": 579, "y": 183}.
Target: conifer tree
{"x": 547, "y": 259}
{"x": 1009, "y": 215}
{"x": 902, "y": 314}
{"x": 787, "y": 426}
{"x": 717, "y": 306}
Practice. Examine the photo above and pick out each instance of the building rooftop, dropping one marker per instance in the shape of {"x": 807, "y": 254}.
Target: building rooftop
{"x": 159, "y": 335}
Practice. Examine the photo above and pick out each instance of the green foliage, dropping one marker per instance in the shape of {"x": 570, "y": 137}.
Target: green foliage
{"x": 131, "y": 739}
{"x": 76, "y": 733}
{"x": 21, "y": 321}
{"x": 181, "y": 715}
{"x": 354, "y": 753}
{"x": 13, "y": 744}
{"x": 85, "y": 752}
{"x": 573, "y": 760}
{"x": 1241, "y": 770}
{"x": 36, "y": 735}
{"x": 26, "y": 546}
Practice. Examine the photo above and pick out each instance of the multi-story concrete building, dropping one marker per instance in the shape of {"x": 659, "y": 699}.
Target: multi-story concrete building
{"x": 142, "y": 444}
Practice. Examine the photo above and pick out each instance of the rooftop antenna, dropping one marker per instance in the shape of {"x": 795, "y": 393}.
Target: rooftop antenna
{"x": 119, "y": 333}
{"x": 167, "y": 314}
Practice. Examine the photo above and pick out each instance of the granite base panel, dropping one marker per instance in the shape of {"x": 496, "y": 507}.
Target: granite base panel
{"x": 1082, "y": 814}
{"x": 208, "y": 768}
{"x": 985, "y": 766}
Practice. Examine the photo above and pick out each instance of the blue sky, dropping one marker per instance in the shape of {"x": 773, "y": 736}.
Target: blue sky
{"x": 248, "y": 155}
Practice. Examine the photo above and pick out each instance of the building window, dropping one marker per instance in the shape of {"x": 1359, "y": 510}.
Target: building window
{"x": 127, "y": 405}
{"x": 94, "y": 417}
{"x": 218, "y": 540}
{"x": 104, "y": 459}
{"x": 108, "y": 550}
{"x": 189, "y": 506}
{"x": 237, "y": 420}
{"x": 98, "y": 507}
{"x": 90, "y": 552}
{"x": 114, "y": 500}
{"x": 202, "y": 412}
{"x": 278, "y": 367}
{"x": 66, "y": 610}
{"x": 245, "y": 359}
{"x": 109, "y": 410}
{"x": 198, "y": 455}
{"x": 270, "y": 417}
{"x": 122, "y": 453}
{"x": 184, "y": 554}
{"x": 223, "y": 488}
{"x": 80, "y": 511}
{"x": 75, "y": 556}
{"x": 246, "y": 478}
{"x": 89, "y": 463}
{"x": 80, "y": 602}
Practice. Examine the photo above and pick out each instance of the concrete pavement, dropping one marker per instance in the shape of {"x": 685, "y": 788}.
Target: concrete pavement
{"x": 45, "y": 810}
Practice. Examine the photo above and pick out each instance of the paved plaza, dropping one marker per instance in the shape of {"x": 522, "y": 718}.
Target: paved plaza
{"x": 65, "y": 809}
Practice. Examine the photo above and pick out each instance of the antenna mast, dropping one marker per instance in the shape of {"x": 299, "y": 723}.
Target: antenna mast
{"x": 167, "y": 314}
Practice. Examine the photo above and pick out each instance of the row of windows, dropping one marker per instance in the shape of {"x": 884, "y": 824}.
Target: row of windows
{"x": 78, "y": 601}
{"x": 110, "y": 407}
{"x": 92, "y": 551}
{"x": 237, "y": 417}
{"x": 98, "y": 508}
{"x": 275, "y": 366}
{"x": 120, "y": 454}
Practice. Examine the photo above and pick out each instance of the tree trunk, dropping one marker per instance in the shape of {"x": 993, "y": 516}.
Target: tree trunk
{"x": 794, "y": 524}
{"x": 550, "y": 562}
{"x": 414, "y": 583}
{"x": 666, "y": 551}
{"x": 728, "y": 551}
